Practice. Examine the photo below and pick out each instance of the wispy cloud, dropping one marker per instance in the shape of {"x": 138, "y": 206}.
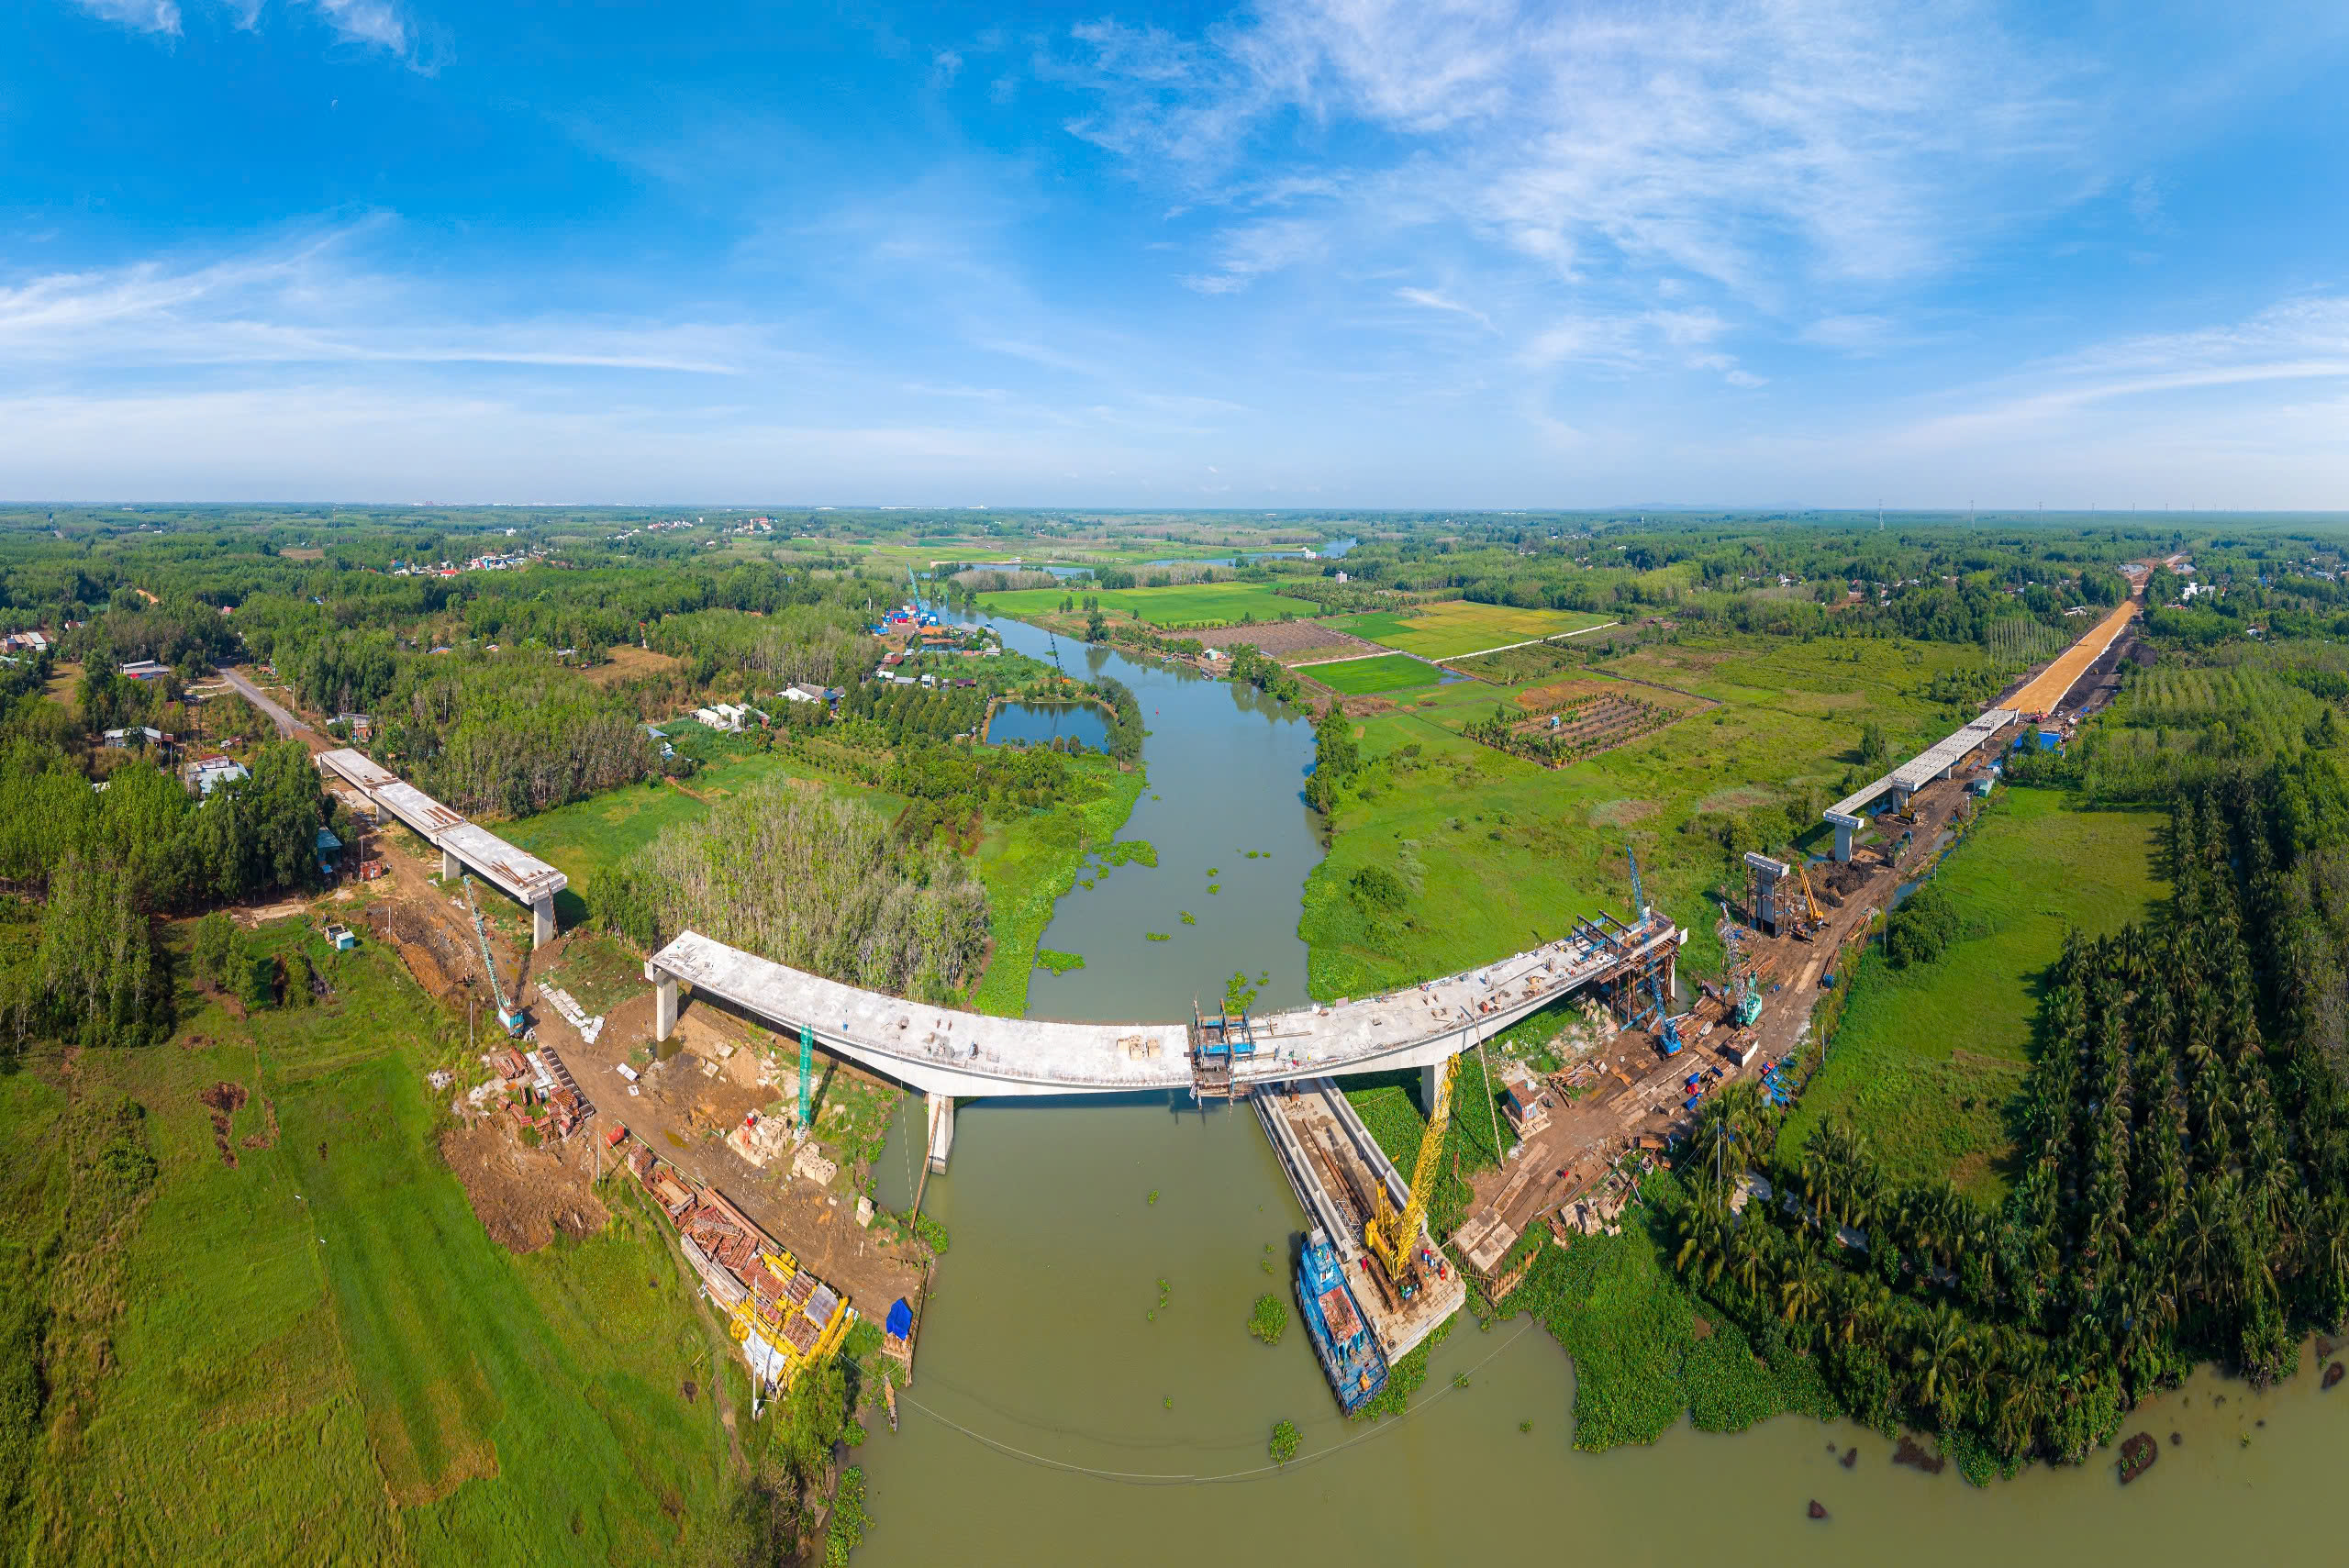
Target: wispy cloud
{"x": 310, "y": 302}
{"x": 376, "y": 23}
{"x": 140, "y": 16}
{"x": 2285, "y": 348}
{"x": 1741, "y": 142}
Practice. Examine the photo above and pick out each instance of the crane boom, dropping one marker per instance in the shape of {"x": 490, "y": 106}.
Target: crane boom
{"x": 507, "y": 1014}
{"x": 1803, "y": 874}
{"x": 1390, "y": 1236}
{"x": 1639, "y": 894}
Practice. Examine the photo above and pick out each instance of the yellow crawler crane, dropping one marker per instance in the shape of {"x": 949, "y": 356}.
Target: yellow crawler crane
{"x": 1803, "y": 874}
{"x": 1389, "y": 1237}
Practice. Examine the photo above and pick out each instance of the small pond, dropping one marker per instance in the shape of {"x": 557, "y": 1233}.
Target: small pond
{"x": 1041, "y": 723}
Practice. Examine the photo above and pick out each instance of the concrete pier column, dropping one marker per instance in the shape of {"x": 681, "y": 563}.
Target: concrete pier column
{"x": 1899, "y": 798}
{"x": 664, "y": 1007}
{"x": 1430, "y": 1082}
{"x": 542, "y": 922}
{"x": 450, "y": 869}
{"x": 1843, "y": 841}
{"x": 942, "y": 1132}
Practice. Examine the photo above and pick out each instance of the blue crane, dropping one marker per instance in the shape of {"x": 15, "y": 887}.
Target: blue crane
{"x": 1665, "y": 1031}
{"x": 1638, "y": 893}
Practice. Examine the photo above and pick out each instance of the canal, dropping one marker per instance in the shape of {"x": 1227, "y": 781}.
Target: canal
{"x": 1062, "y": 1414}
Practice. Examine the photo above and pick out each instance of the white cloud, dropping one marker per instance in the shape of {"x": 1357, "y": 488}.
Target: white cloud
{"x": 139, "y": 16}
{"x": 308, "y": 301}
{"x": 1759, "y": 145}
{"x": 376, "y": 23}
{"x": 1434, "y": 301}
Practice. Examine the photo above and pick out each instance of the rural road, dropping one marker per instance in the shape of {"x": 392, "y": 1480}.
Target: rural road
{"x": 286, "y": 723}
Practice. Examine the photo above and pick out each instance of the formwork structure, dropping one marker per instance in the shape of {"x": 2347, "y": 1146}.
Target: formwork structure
{"x": 1772, "y": 911}
{"x": 1219, "y": 1043}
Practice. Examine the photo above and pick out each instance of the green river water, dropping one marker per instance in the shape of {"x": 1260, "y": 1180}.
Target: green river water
{"x": 1060, "y": 1415}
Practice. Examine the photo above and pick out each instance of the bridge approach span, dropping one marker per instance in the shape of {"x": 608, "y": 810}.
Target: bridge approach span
{"x": 516, "y": 872}
{"x": 946, "y": 1052}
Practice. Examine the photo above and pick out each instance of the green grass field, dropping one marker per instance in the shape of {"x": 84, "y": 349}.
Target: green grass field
{"x": 1381, "y": 673}
{"x": 318, "y": 1355}
{"x": 1498, "y": 851}
{"x": 1926, "y": 1060}
{"x": 1027, "y": 866}
{"x": 1197, "y": 604}
{"x": 1452, "y": 628}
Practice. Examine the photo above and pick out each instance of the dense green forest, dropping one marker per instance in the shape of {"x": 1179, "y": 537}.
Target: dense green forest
{"x": 2183, "y": 1196}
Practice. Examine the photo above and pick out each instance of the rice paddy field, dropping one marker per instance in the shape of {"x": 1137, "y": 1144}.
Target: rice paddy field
{"x": 1193, "y": 604}
{"x": 1498, "y": 851}
{"x": 1452, "y": 628}
{"x": 1378, "y": 673}
{"x": 289, "y": 1339}
{"x": 1927, "y": 1060}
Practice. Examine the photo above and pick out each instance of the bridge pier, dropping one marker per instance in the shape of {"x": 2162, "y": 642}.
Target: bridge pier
{"x": 1430, "y": 1085}
{"x": 1901, "y": 797}
{"x": 664, "y": 1007}
{"x": 1843, "y": 841}
{"x": 450, "y": 868}
{"x": 542, "y": 922}
{"x": 942, "y": 1132}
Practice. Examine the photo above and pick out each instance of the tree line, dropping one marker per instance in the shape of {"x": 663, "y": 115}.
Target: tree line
{"x": 2182, "y": 1194}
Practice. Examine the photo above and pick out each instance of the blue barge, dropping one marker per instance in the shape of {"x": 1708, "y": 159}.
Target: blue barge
{"x": 1342, "y": 1336}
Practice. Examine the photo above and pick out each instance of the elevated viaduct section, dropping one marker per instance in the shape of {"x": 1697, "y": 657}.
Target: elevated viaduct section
{"x": 945, "y": 1053}
{"x": 464, "y": 845}
{"x": 1936, "y": 762}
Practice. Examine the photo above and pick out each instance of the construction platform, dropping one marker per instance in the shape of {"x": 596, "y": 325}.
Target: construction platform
{"x": 1336, "y": 1168}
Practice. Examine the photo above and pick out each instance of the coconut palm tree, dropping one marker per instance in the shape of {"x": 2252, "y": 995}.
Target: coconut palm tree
{"x": 1938, "y": 1354}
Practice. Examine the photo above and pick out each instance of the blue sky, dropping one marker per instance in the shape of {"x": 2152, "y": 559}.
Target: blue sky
{"x": 1319, "y": 253}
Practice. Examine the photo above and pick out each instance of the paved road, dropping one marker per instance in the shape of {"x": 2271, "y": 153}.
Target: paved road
{"x": 286, "y": 723}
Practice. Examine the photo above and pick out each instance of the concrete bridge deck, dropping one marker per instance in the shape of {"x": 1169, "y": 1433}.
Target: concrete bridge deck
{"x": 947, "y": 1052}
{"x": 514, "y": 871}
{"x": 1935, "y": 761}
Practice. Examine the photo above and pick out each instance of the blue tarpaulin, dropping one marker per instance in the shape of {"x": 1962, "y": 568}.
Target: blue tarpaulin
{"x": 901, "y": 1319}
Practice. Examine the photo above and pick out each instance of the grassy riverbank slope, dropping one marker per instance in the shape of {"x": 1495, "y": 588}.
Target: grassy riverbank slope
{"x": 1756, "y": 734}
{"x": 316, "y": 1354}
{"x": 1927, "y": 1061}
{"x": 1026, "y": 865}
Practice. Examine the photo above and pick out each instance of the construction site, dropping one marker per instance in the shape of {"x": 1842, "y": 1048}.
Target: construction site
{"x": 1589, "y": 1132}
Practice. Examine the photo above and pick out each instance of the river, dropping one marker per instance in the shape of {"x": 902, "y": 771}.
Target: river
{"x": 1061, "y": 1416}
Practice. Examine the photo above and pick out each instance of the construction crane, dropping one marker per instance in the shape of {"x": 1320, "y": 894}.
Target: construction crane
{"x": 1639, "y": 894}
{"x": 1665, "y": 1031}
{"x": 1389, "y": 1237}
{"x": 1803, "y": 874}
{"x": 508, "y": 1014}
{"x": 1745, "y": 997}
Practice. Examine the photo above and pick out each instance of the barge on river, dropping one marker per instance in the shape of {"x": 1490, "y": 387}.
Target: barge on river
{"x": 1342, "y": 1338}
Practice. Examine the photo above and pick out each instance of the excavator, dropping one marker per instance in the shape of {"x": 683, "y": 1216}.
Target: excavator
{"x": 1393, "y": 1239}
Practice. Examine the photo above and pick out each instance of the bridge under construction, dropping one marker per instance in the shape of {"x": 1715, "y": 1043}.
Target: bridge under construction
{"x": 945, "y": 1053}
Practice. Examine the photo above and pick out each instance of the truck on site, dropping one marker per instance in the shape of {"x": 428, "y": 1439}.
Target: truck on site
{"x": 1350, "y": 1355}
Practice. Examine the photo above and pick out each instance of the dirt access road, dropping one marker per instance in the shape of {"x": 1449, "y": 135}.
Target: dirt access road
{"x": 1641, "y": 1090}
{"x": 2046, "y": 690}
{"x": 287, "y": 725}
